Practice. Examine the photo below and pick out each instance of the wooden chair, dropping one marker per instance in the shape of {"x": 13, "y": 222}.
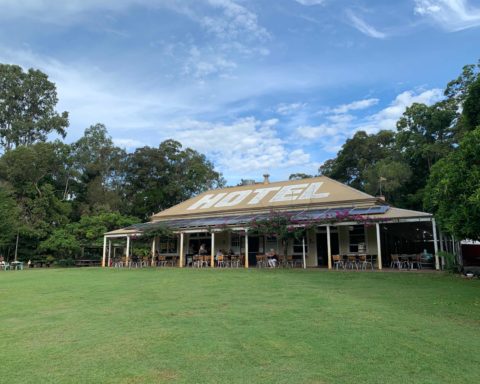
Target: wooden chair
{"x": 338, "y": 261}
{"x": 365, "y": 261}
{"x": 352, "y": 262}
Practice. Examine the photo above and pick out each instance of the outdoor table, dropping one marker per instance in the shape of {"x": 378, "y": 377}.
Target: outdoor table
{"x": 16, "y": 265}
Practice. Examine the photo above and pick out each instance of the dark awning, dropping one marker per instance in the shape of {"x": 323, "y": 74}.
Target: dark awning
{"x": 236, "y": 220}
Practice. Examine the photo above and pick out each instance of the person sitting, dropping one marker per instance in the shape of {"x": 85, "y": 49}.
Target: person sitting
{"x": 202, "y": 250}
{"x": 272, "y": 258}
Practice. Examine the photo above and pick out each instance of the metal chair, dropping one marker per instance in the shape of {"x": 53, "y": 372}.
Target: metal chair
{"x": 338, "y": 261}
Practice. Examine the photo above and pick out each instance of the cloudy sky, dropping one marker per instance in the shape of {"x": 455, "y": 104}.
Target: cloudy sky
{"x": 259, "y": 86}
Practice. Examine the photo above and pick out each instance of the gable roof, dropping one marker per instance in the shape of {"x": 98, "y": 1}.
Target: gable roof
{"x": 293, "y": 194}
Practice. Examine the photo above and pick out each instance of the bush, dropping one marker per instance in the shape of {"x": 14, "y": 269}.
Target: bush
{"x": 66, "y": 262}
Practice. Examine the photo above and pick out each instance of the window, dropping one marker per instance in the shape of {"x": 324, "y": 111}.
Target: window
{"x": 168, "y": 246}
{"x": 357, "y": 238}
{"x": 271, "y": 242}
{"x": 298, "y": 246}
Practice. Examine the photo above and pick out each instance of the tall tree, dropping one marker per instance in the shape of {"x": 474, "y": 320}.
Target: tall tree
{"x": 158, "y": 178}
{"x": 27, "y": 107}
{"x": 35, "y": 175}
{"x": 453, "y": 189}
{"x": 9, "y": 217}
{"x": 358, "y": 155}
{"x": 99, "y": 166}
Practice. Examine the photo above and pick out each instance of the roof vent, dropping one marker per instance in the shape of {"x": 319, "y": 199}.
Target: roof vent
{"x": 266, "y": 178}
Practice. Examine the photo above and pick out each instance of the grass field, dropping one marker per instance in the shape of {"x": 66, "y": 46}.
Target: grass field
{"x": 237, "y": 326}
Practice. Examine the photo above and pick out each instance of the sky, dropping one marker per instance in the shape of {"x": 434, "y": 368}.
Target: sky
{"x": 258, "y": 86}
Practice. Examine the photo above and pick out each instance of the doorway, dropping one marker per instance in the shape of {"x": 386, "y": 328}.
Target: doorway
{"x": 322, "y": 249}
{"x": 253, "y": 249}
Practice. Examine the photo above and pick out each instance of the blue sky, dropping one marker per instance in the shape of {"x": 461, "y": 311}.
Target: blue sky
{"x": 258, "y": 86}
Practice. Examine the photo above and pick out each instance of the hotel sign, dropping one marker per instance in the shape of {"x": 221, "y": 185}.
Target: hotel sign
{"x": 252, "y": 197}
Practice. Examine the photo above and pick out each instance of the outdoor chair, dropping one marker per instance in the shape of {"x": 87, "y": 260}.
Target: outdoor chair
{"x": 235, "y": 261}
{"x": 261, "y": 261}
{"x": 338, "y": 261}
{"x": 395, "y": 263}
{"x": 365, "y": 262}
{"x": 416, "y": 259}
{"x": 162, "y": 261}
{"x": 352, "y": 262}
{"x": 221, "y": 261}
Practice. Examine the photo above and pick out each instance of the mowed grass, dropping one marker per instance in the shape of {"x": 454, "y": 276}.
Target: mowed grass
{"x": 237, "y": 326}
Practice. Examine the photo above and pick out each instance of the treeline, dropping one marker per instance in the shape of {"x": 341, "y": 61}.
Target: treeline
{"x": 58, "y": 198}
{"x": 431, "y": 162}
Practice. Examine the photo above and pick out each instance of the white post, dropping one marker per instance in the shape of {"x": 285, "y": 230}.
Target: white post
{"x": 303, "y": 251}
{"x": 442, "y": 249}
{"x": 109, "y": 253}
{"x": 182, "y": 257}
{"x": 246, "y": 248}
{"x": 329, "y": 248}
{"x": 435, "y": 244}
{"x": 212, "y": 253}
{"x": 104, "y": 250}
{"x": 154, "y": 243}
{"x": 379, "y": 246}
{"x": 127, "y": 254}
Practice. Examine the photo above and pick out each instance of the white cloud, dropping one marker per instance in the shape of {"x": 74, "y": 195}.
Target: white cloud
{"x": 388, "y": 117}
{"x": 310, "y": 2}
{"x": 364, "y": 27}
{"x": 235, "y": 20}
{"x": 355, "y": 105}
{"x": 201, "y": 64}
{"x": 246, "y": 145}
{"x": 453, "y": 15}
{"x": 287, "y": 109}
{"x": 337, "y": 127}
{"x": 128, "y": 143}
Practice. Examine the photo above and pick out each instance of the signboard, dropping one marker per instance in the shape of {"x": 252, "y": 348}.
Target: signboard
{"x": 254, "y": 196}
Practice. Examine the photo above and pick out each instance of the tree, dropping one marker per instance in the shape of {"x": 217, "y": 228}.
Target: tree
{"x": 357, "y": 155}
{"x": 158, "y": 178}
{"x": 35, "y": 175}
{"x": 9, "y": 217}
{"x": 299, "y": 176}
{"x": 387, "y": 176}
{"x": 27, "y": 107}
{"x": 453, "y": 189}
{"x": 471, "y": 107}
{"x": 99, "y": 166}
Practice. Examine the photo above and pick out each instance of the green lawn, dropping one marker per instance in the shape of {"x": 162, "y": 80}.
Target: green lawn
{"x": 237, "y": 326}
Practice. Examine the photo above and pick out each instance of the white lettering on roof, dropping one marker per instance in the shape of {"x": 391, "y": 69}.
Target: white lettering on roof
{"x": 311, "y": 192}
{"x": 305, "y": 191}
{"x": 261, "y": 193}
{"x": 207, "y": 201}
{"x": 233, "y": 198}
{"x": 288, "y": 193}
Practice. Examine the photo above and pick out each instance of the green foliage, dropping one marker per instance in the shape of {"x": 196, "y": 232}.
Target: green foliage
{"x": 158, "y": 178}
{"x": 9, "y": 217}
{"x": 357, "y": 155}
{"x": 453, "y": 189}
{"x": 299, "y": 176}
{"x": 99, "y": 165}
{"x": 61, "y": 243}
{"x": 27, "y": 107}
{"x": 471, "y": 107}
{"x": 451, "y": 264}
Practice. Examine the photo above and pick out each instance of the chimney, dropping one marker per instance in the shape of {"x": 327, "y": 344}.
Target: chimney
{"x": 266, "y": 179}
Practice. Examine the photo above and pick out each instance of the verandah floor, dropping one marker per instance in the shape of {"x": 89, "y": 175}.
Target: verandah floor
{"x": 237, "y": 325}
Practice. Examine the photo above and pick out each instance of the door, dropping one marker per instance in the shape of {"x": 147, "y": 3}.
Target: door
{"x": 253, "y": 247}
{"x": 322, "y": 249}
